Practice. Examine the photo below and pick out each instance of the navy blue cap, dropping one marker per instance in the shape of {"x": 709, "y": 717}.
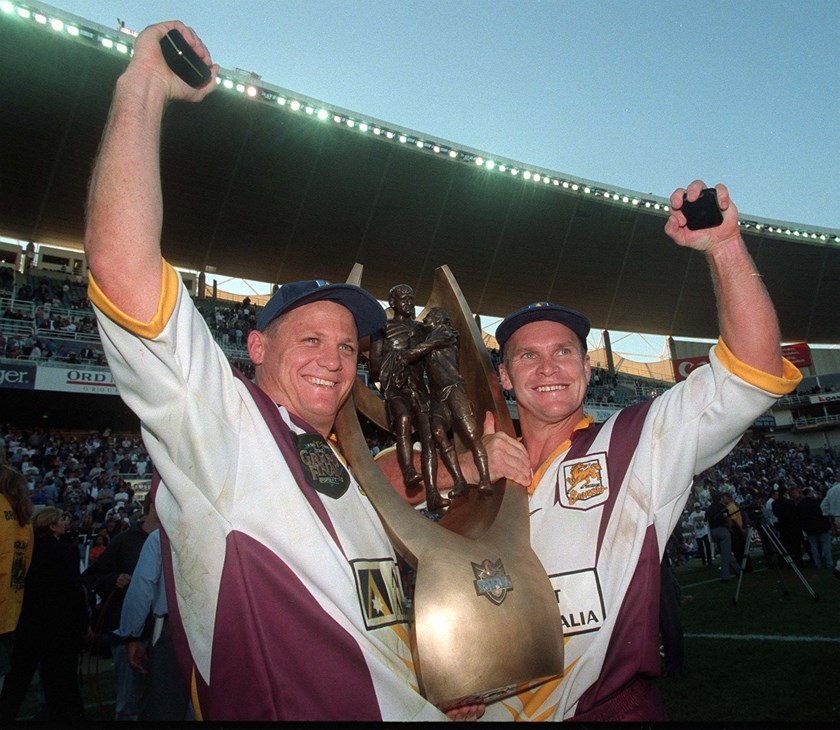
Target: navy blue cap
{"x": 539, "y": 311}
{"x": 368, "y": 313}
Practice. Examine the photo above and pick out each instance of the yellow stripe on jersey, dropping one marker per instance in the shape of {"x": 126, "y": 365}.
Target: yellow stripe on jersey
{"x": 584, "y": 422}
{"x": 791, "y": 377}
{"x": 170, "y": 283}
{"x": 194, "y": 695}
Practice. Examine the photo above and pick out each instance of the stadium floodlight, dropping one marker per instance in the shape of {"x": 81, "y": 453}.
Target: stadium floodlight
{"x": 73, "y": 30}
{"x": 364, "y": 127}
{"x": 56, "y": 25}
{"x": 403, "y": 139}
{"x": 24, "y": 12}
{"x": 453, "y": 154}
{"x": 309, "y": 110}
{"x": 294, "y": 105}
{"x": 322, "y": 114}
{"x": 251, "y": 91}
{"x": 40, "y": 18}
{"x": 107, "y": 42}
{"x": 7, "y": 7}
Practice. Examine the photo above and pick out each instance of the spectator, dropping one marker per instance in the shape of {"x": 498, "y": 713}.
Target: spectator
{"x": 110, "y": 576}
{"x": 816, "y": 527}
{"x": 697, "y": 521}
{"x": 53, "y": 624}
{"x": 16, "y": 544}
{"x": 151, "y": 651}
{"x": 717, "y": 515}
{"x": 790, "y": 533}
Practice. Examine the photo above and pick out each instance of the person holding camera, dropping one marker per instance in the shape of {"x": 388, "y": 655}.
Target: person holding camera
{"x": 720, "y": 526}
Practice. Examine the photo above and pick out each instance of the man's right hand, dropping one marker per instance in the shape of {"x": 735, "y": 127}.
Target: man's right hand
{"x": 148, "y": 60}
{"x": 138, "y": 658}
{"x": 508, "y": 457}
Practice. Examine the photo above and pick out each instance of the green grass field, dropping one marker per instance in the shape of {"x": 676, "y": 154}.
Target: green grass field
{"x": 770, "y": 658}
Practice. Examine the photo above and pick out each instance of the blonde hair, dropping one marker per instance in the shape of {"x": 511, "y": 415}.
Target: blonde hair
{"x": 45, "y": 519}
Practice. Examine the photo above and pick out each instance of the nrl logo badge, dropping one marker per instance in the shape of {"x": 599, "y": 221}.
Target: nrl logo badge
{"x": 583, "y": 483}
{"x": 491, "y": 581}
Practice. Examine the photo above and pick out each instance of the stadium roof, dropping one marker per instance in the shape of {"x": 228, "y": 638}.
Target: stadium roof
{"x": 266, "y": 184}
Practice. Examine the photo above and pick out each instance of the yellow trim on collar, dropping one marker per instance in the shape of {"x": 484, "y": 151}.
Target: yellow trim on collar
{"x": 170, "y": 283}
{"x": 791, "y": 376}
{"x": 583, "y": 423}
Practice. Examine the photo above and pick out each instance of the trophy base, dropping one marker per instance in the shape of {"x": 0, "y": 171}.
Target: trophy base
{"x": 489, "y": 696}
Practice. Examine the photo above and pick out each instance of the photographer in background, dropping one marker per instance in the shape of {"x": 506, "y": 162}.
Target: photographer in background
{"x": 717, "y": 515}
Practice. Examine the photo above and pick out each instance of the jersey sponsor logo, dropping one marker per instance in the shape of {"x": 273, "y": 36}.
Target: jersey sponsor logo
{"x": 321, "y": 467}
{"x": 583, "y": 483}
{"x": 491, "y": 581}
{"x": 380, "y": 592}
{"x": 580, "y": 599}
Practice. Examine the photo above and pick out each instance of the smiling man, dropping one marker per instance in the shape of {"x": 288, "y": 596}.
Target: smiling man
{"x": 604, "y": 498}
{"x": 283, "y": 590}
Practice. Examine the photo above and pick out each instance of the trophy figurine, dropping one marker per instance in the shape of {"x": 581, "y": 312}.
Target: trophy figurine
{"x": 486, "y": 623}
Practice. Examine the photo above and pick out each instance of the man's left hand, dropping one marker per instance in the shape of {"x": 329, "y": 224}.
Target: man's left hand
{"x": 704, "y": 239}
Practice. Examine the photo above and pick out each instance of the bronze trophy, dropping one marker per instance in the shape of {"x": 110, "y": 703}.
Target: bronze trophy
{"x": 486, "y": 622}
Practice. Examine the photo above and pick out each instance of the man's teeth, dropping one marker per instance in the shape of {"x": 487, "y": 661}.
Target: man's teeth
{"x": 319, "y": 381}
{"x": 549, "y": 388}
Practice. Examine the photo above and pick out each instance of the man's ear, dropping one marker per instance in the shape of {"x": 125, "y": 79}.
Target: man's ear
{"x": 503, "y": 375}
{"x": 256, "y": 346}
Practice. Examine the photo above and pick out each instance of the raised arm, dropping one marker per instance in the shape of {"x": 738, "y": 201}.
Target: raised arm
{"x": 125, "y": 206}
{"x": 748, "y": 322}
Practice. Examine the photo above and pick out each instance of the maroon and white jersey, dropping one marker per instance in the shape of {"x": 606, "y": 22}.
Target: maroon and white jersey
{"x": 603, "y": 506}
{"x": 287, "y": 599}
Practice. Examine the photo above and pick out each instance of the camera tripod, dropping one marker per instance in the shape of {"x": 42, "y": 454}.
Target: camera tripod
{"x": 773, "y": 548}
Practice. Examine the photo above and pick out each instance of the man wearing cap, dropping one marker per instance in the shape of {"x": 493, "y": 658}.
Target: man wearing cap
{"x": 605, "y": 497}
{"x": 283, "y": 590}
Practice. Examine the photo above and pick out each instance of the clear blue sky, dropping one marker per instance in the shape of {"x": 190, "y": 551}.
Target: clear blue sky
{"x": 645, "y": 96}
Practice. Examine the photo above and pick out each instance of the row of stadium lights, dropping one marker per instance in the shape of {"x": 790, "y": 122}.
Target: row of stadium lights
{"x": 323, "y": 115}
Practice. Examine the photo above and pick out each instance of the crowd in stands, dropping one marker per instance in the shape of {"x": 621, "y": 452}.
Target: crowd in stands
{"x": 89, "y": 477}
{"x": 757, "y": 473}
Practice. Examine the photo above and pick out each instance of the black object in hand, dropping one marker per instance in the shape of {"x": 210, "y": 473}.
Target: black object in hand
{"x": 703, "y": 212}
{"x": 183, "y": 60}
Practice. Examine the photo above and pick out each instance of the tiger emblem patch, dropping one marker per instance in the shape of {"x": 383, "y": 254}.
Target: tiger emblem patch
{"x": 583, "y": 483}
